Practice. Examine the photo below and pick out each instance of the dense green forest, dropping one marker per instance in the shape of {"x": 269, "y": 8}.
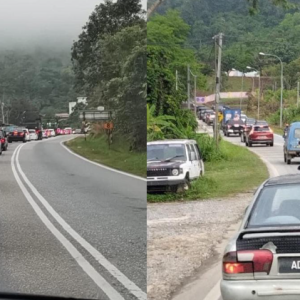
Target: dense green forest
{"x": 41, "y": 79}
{"x": 271, "y": 29}
{"x": 109, "y": 63}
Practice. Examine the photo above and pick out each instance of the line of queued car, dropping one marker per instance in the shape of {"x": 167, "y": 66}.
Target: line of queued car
{"x": 12, "y": 133}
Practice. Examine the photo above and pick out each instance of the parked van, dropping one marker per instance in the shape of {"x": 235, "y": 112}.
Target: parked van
{"x": 172, "y": 165}
{"x": 291, "y": 147}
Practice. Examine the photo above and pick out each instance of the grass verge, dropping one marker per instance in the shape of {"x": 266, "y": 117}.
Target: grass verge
{"x": 118, "y": 157}
{"x": 241, "y": 171}
{"x": 277, "y": 129}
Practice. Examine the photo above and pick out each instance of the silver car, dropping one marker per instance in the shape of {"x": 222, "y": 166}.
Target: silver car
{"x": 262, "y": 261}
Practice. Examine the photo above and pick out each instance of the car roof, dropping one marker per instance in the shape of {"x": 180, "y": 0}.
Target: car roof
{"x": 179, "y": 141}
{"x": 283, "y": 179}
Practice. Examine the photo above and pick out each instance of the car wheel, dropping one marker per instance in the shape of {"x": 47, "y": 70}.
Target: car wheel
{"x": 183, "y": 187}
{"x": 24, "y": 141}
{"x": 284, "y": 156}
{"x": 287, "y": 159}
{"x": 272, "y": 144}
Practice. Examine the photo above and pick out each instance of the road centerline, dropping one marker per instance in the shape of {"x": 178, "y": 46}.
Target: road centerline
{"x": 78, "y": 257}
{"x": 115, "y": 272}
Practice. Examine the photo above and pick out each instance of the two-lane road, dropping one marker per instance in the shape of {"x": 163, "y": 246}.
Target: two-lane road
{"x": 207, "y": 287}
{"x": 69, "y": 227}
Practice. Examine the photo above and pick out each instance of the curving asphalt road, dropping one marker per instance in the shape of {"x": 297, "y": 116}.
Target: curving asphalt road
{"x": 69, "y": 227}
{"x": 207, "y": 286}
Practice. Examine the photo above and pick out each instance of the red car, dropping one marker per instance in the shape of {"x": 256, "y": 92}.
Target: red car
{"x": 260, "y": 134}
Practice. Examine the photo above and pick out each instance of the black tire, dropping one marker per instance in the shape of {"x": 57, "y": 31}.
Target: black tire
{"x": 284, "y": 157}
{"x": 250, "y": 144}
{"x": 272, "y": 144}
{"x": 227, "y": 133}
{"x": 183, "y": 187}
{"x": 287, "y": 159}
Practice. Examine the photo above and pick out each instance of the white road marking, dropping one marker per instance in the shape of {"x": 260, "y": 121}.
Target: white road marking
{"x": 127, "y": 283}
{"x": 100, "y": 165}
{"x": 83, "y": 263}
{"x": 214, "y": 293}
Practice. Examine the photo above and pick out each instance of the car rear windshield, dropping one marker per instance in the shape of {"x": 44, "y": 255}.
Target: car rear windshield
{"x": 276, "y": 206}
{"x": 262, "y": 128}
{"x": 297, "y": 133}
{"x": 164, "y": 151}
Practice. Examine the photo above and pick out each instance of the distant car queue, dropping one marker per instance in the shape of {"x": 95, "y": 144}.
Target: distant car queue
{"x": 12, "y": 133}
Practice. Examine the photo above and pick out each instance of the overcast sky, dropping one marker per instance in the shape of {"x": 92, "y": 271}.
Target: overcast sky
{"x": 43, "y": 21}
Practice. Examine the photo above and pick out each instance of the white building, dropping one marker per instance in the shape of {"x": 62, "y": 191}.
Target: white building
{"x": 71, "y": 106}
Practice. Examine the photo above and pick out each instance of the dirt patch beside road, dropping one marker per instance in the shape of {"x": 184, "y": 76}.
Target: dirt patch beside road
{"x": 182, "y": 236}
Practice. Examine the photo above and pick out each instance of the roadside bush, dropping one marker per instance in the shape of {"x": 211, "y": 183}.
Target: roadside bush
{"x": 208, "y": 147}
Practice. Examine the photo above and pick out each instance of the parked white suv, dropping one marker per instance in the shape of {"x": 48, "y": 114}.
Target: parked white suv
{"x": 172, "y": 164}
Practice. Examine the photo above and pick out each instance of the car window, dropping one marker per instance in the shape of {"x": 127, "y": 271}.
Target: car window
{"x": 164, "y": 151}
{"x": 297, "y": 133}
{"x": 276, "y": 205}
{"x": 194, "y": 149}
{"x": 189, "y": 152}
{"x": 262, "y": 129}
{"x": 198, "y": 151}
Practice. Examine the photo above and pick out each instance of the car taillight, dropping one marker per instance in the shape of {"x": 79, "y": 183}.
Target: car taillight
{"x": 256, "y": 261}
{"x": 21, "y": 133}
{"x": 2, "y": 141}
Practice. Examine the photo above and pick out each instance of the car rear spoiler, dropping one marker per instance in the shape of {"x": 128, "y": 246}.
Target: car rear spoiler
{"x": 274, "y": 231}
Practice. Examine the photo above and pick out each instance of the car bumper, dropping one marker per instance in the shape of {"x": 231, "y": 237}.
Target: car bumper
{"x": 260, "y": 289}
{"x": 261, "y": 141}
{"x": 162, "y": 185}
{"x": 16, "y": 139}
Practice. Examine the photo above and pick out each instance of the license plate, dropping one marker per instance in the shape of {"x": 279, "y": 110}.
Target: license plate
{"x": 289, "y": 264}
{"x": 236, "y": 125}
{"x": 262, "y": 137}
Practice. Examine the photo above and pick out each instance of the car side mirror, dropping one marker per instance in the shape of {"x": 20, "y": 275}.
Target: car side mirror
{"x": 193, "y": 156}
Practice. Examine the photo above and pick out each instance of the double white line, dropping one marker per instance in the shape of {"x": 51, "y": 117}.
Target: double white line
{"x": 79, "y": 258}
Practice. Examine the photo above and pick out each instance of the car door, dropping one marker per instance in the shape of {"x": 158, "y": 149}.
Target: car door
{"x": 197, "y": 162}
{"x": 193, "y": 162}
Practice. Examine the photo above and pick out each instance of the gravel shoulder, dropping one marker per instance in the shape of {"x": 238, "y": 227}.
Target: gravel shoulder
{"x": 183, "y": 235}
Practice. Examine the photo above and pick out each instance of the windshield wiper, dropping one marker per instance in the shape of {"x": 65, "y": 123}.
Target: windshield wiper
{"x": 154, "y": 158}
{"x": 176, "y": 156}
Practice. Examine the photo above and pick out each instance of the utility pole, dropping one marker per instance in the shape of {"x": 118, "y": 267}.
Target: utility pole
{"x": 195, "y": 92}
{"x": 298, "y": 94}
{"x": 259, "y": 94}
{"x": 243, "y": 74}
{"x": 188, "y": 87}
{"x": 218, "y": 85}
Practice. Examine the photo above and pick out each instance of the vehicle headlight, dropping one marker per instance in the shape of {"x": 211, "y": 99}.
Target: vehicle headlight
{"x": 175, "y": 172}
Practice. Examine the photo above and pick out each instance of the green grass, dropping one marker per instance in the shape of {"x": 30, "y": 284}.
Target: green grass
{"x": 277, "y": 129}
{"x": 242, "y": 171}
{"x": 118, "y": 157}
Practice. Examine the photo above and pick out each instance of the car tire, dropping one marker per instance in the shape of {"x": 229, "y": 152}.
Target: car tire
{"x": 272, "y": 144}
{"x": 284, "y": 157}
{"x": 287, "y": 159}
{"x": 183, "y": 187}
{"x": 250, "y": 144}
